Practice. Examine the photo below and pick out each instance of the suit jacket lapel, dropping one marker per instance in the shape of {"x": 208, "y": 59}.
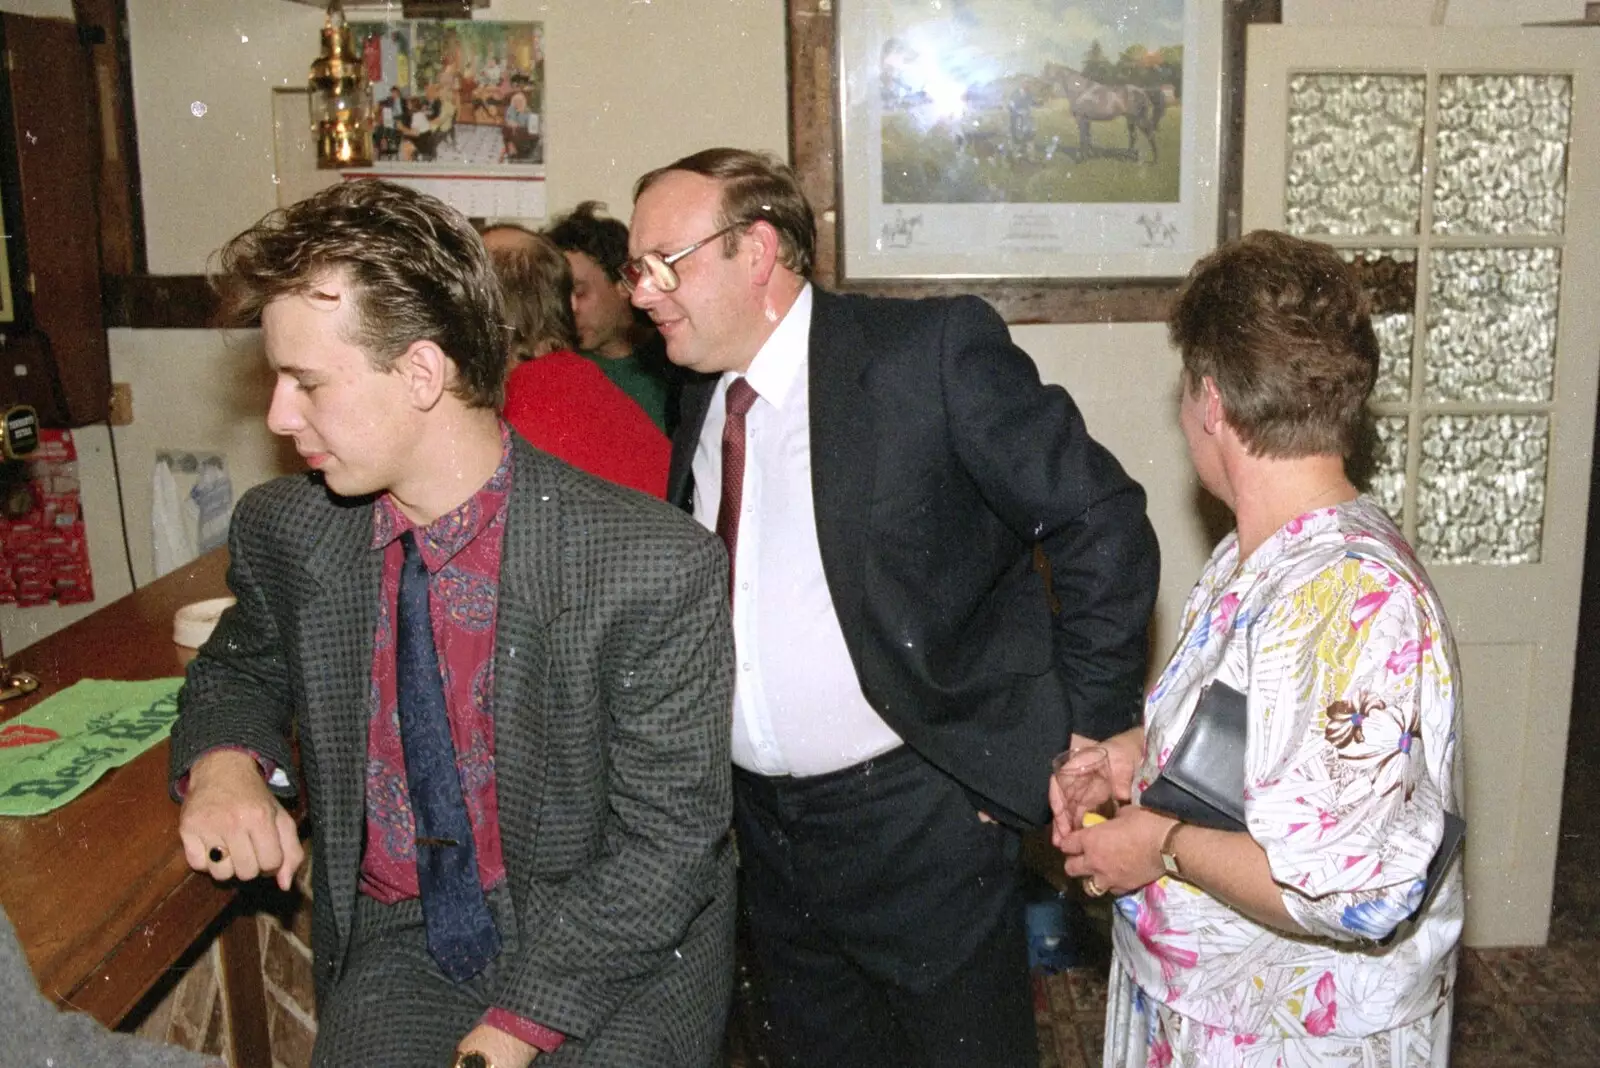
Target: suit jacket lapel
{"x": 337, "y": 624}
{"x": 530, "y": 597}
{"x": 843, "y": 447}
{"x": 693, "y": 402}
{"x": 843, "y": 451}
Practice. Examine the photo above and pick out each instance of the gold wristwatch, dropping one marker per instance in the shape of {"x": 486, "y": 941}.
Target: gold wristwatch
{"x": 1169, "y": 853}
{"x": 471, "y": 1058}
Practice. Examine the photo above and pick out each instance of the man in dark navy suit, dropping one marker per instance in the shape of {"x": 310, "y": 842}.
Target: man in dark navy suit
{"x": 939, "y": 579}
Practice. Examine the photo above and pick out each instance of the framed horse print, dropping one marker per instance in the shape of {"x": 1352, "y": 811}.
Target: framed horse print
{"x": 1081, "y": 149}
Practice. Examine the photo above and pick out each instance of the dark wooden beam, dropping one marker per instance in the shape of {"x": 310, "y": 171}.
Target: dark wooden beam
{"x": 103, "y": 26}
{"x": 159, "y": 301}
{"x": 54, "y": 134}
{"x": 244, "y": 993}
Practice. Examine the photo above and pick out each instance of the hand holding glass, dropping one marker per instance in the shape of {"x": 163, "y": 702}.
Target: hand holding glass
{"x": 1083, "y": 776}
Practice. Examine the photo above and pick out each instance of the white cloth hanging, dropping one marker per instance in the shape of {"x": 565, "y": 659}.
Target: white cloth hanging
{"x": 173, "y": 519}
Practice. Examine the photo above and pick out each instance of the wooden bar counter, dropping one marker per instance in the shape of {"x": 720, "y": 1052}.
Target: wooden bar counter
{"x": 99, "y": 891}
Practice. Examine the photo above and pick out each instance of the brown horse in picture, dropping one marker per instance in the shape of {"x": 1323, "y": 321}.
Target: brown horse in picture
{"x": 1093, "y": 102}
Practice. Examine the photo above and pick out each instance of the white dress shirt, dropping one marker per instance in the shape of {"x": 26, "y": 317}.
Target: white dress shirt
{"x": 797, "y": 707}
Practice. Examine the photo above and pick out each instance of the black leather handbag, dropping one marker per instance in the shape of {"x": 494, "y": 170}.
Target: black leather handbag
{"x": 1203, "y": 780}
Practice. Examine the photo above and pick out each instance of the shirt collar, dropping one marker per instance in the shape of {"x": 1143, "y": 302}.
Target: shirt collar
{"x": 781, "y": 361}
{"x": 1317, "y": 523}
{"x": 447, "y": 535}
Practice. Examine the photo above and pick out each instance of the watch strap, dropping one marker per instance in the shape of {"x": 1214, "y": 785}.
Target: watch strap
{"x": 1169, "y": 853}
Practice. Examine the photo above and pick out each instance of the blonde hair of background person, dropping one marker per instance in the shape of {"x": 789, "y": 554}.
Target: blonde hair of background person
{"x": 536, "y": 289}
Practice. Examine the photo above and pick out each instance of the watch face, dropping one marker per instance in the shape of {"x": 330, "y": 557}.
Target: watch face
{"x": 472, "y": 1060}
{"x": 1169, "y": 862}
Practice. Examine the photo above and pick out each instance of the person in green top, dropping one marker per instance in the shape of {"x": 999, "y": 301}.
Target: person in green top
{"x": 611, "y": 332}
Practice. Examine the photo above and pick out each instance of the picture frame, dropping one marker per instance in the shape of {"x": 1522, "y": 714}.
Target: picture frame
{"x": 842, "y": 62}
{"x": 458, "y": 96}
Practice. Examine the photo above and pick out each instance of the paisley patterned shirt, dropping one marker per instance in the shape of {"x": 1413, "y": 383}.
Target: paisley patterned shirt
{"x": 1335, "y": 634}
{"x": 461, "y": 550}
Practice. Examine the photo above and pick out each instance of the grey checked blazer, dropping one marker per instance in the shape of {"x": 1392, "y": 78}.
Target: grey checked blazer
{"x": 613, "y": 681}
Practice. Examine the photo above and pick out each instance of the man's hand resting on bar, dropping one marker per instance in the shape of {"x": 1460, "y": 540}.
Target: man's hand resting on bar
{"x": 232, "y": 826}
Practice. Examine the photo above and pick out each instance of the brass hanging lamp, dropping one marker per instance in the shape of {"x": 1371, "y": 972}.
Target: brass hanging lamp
{"x": 341, "y": 102}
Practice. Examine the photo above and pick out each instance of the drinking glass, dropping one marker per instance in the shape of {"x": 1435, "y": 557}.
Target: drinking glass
{"x": 1084, "y": 776}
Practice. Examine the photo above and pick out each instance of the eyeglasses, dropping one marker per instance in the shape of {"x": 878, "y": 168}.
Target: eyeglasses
{"x": 658, "y": 268}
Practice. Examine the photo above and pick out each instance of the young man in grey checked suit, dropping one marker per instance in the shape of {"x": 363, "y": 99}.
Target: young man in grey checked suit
{"x": 509, "y": 681}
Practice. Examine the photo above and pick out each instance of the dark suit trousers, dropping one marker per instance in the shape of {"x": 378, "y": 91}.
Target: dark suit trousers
{"x": 393, "y": 1007}
{"x": 886, "y": 919}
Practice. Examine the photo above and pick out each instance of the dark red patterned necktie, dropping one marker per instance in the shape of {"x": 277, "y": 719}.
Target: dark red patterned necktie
{"x": 740, "y": 397}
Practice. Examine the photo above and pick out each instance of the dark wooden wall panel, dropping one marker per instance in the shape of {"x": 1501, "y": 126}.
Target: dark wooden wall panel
{"x": 104, "y": 25}
{"x": 54, "y": 130}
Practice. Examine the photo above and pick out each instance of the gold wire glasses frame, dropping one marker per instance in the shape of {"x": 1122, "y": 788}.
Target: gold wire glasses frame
{"x": 658, "y": 268}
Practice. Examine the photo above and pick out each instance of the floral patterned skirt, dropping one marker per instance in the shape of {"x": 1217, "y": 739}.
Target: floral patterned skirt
{"x": 1143, "y": 1033}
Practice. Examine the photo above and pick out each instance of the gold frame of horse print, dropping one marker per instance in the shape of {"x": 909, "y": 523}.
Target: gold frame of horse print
{"x": 998, "y": 139}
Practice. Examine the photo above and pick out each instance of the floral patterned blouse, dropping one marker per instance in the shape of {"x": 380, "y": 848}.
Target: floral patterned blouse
{"x": 1333, "y": 631}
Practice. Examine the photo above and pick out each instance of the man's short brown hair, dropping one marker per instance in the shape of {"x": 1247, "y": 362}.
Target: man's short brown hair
{"x": 1281, "y": 326}
{"x": 416, "y": 268}
{"x": 756, "y": 187}
{"x": 536, "y": 289}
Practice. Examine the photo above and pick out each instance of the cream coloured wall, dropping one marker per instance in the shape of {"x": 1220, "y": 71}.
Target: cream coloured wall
{"x": 195, "y": 391}
{"x": 630, "y": 86}
{"x": 39, "y": 9}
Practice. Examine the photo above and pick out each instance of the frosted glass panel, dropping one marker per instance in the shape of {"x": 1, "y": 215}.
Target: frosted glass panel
{"x": 1387, "y": 484}
{"x": 1389, "y": 278}
{"x": 1492, "y": 324}
{"x": 1480, "y": 488}
{"x": 1502, "y": 147}
{"x": 1394, "y": 367}
{"x": 1355, "y": 154}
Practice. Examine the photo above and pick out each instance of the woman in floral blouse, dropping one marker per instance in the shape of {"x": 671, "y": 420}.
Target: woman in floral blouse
{"x": 1293, "y": 944}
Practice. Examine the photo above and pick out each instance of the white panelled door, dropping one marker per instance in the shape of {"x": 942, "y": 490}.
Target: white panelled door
{"x": 1461, "y": 168}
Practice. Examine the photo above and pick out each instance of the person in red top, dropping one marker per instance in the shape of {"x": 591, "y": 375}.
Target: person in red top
{"x": 561, "y": 402}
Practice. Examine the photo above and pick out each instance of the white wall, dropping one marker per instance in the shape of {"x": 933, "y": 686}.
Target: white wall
{"x": 40, "y": 9}
{"x": 630, "y": 86}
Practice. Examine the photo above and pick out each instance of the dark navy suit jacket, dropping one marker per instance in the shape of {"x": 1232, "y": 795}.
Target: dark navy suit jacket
{"x": 939, "y": 461}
